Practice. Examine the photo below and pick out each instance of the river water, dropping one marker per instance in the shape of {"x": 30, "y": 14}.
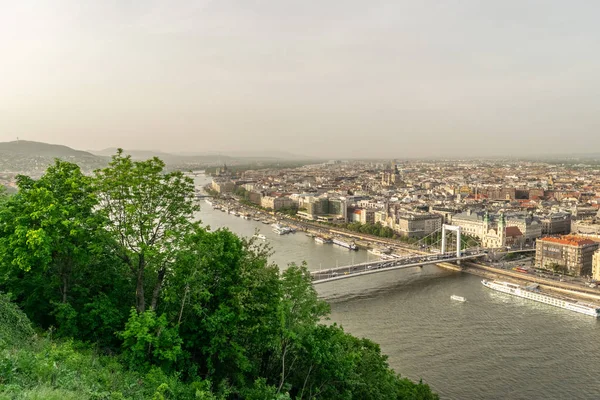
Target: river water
{"x": 494, "y": 346}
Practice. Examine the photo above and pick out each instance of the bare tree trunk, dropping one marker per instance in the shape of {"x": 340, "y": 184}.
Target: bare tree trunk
{"x": 282, "y": 368}
{"x": 161, "y": 277}
{"x": 139, "y": 292}
{"x": 187, "y": 288}
{"x": 305, "y": 380}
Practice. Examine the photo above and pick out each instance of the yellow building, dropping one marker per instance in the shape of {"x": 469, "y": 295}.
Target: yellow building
{"x": 596, "y": 266}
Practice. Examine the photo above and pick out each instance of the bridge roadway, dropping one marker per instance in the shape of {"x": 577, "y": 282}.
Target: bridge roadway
{"x": 373, "y": 267}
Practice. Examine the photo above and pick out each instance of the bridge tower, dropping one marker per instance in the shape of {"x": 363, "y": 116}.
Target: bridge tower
{"x": 446, "y": 227}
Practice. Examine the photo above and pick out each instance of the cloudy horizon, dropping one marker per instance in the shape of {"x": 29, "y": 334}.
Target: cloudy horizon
{"x": 377, "y": 79}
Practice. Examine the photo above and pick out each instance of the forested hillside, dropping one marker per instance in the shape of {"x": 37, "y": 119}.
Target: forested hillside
{"x": 113, "y": 291}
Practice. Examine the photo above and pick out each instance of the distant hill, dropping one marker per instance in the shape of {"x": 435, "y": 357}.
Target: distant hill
{"x": 26, "y": 147}
{"x": 265, "y": 155}
{"x": 168, "y": 158}
{"x": 136, "y": 154}
{"x": 33, "y": 158}
{"x": 206, "y": 157}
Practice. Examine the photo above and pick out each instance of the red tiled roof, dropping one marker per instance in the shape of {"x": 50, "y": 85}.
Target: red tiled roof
{"x": 570, "y": 240}
{"x": 513, "y": 231}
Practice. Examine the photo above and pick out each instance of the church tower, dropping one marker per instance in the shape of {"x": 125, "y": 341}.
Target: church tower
{"x": 502, "y": 229}
{"x": 486, "y": 222}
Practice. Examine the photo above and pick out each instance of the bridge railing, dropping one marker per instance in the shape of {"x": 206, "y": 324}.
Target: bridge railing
{"x": 363, "y": 269}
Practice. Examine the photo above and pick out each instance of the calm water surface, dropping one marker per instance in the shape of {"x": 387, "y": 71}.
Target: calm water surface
{"x": 494, "y": 346}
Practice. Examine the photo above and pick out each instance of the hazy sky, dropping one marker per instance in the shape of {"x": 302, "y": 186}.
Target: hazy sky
{"x": 335, "y": 78}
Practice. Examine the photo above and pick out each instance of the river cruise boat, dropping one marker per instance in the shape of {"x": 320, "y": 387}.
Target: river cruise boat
{"x": 322, "y": 240}
{"x": 531, "y": 292}
{"x": 458, "y": 298}
{"x": 281, "y": 229}
{"x": 350, "y": 246}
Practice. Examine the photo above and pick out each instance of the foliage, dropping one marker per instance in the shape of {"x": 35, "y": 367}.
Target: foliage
{"x": 225, "y": 300}
{"x": 47, "y": 370}
{"x": 149, "y": 213}
{"x": 219, "y": 321}
{"x": 559, "y": 269}
{"x": 370, "y": 229}
{"x": 149, "y": 340}
{"x": 241, "y": 192}
{"x": 15, "y": 327}
{"x": 55, "y": 258}
{"x": 212, "y": 192}
{"x": 4, "y": 196}
{"x": 289, "y": 211}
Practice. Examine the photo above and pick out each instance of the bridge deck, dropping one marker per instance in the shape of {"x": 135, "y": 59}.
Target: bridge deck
{"x": 367, "y": 268}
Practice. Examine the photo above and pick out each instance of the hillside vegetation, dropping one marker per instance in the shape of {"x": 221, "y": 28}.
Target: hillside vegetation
{"x": 114, "y": 292}
{"x": 37, "y": 149}
{"x": 35, "y": 157}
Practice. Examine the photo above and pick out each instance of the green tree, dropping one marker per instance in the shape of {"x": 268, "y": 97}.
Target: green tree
{"x": 149, "y": 213}
{"x": 53, "y": 249}
{"x": 225, "y": 297}
{"x": 3, "y": 195}
{"x": 149, "y": 340}
{"x": 300, "y": 310}
{"x": 48, "y": 224}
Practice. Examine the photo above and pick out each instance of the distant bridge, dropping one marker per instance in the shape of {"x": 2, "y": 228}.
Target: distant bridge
{"x": 373, "y": 267}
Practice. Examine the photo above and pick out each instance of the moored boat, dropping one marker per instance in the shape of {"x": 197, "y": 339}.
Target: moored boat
{"x": 322, "y": 240}
{"x": 281, "y": 229}
{"x": 532, "y": 292}
{"x": 349, "y": 246}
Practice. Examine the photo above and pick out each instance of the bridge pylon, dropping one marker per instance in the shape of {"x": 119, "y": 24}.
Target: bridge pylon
{"x": 456, "y": 229}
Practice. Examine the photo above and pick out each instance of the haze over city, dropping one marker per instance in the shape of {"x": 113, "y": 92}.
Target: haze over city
{"x": 325, "y": 79}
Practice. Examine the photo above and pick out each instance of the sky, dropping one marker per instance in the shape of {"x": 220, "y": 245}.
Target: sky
{"x": 331, "y": 78}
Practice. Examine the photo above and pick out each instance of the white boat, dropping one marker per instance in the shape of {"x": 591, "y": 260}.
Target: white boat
{"x": 458, "y": 298}
{"x": 208, "y": 201}
{"x": 531, "y": 292}
{"x": 322, "y": 240}
{"x": 260, "y": 236}
{"x": 281, "y": 229}
{"x": 350, "y": 246}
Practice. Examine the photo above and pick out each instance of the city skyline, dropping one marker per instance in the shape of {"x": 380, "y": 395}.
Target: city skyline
{"x": 337, "y": 80}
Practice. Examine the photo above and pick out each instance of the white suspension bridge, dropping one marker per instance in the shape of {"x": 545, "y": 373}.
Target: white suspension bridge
{"x": 432, "y": 249}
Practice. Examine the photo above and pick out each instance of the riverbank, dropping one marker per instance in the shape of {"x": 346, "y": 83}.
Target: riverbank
{"x": 362, "y": 241}
{"x": 545, "y": 284}
{"x": 366, "y": 242}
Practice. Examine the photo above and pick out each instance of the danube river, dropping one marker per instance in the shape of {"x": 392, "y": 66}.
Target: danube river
{"x": 494, "y": 346}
